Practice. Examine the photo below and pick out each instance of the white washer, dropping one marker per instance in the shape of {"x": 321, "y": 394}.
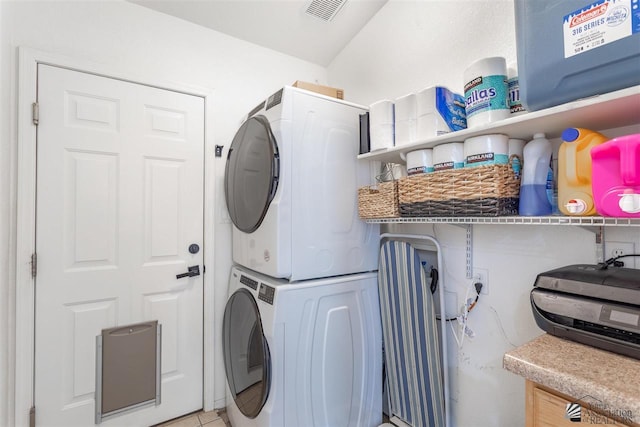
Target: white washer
{"x": 291, "y": 187}
{"x": 306, "y": 354}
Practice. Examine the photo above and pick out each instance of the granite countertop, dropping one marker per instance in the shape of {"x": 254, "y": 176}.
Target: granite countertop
{"x": 579, "y": 371}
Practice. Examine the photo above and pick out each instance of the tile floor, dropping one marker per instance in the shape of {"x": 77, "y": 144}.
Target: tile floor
{"x": 248, "y": 400}
{"x": 216, "y": 418}
{"x": 199, "y": 419}
{"x": 211, "y": 419}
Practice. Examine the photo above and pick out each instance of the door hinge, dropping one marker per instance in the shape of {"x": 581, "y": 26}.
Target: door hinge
{"x": 34, "y": 264}
{"x": 32, "y": 417}
{"x": 35, "y": 113}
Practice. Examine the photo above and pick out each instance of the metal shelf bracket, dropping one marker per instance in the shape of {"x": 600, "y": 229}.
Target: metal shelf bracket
{"x": 469, "y": 248}
{"x": 598, "y": 231}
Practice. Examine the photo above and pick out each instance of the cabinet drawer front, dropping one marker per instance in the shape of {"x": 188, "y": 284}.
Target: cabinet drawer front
{"x": 549, "y": 410}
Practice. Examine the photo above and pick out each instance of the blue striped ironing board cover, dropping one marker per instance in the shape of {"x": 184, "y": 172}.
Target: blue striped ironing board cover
{"x": 410, "y": 333}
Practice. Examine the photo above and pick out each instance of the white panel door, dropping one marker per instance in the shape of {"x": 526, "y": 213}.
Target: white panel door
{"x": 119, "y": 202}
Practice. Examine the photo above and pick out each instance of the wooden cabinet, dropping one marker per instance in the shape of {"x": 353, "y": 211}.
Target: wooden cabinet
{"x": 547, "y": 408}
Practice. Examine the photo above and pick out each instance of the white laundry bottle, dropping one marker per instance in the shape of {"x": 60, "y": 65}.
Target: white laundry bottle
{"x": 537, "y": 178}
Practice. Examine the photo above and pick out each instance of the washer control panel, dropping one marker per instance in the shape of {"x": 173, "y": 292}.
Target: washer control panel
{"x": 266, "y": 294}
{"x": 248, "y": 281}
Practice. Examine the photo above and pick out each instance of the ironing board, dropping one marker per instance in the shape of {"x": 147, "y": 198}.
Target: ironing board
{"x": 412, "y": 350}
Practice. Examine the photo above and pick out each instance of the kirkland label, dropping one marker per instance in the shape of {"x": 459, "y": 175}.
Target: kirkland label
{"x": 485, "y": 94}
{"x": 486, "y": 159}
{"x": 419, "y": 169}
{"x": 451, "y": 108}
{"x": 447, "y": 165}
{"x": 598, "y": 24}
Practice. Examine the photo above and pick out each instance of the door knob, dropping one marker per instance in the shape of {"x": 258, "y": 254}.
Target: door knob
{"x": 192, "y": 271}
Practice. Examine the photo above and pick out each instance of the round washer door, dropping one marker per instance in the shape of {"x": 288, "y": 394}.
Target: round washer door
{"x": 247, "y": 360}
{"x": 252, "y": 173}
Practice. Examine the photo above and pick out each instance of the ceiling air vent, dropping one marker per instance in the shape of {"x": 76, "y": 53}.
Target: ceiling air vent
{"x": 325, "y": 9}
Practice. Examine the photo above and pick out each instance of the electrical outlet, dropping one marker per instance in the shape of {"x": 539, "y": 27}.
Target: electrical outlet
{"x": 482, "y": 276}
{"x": 615, "y": 249}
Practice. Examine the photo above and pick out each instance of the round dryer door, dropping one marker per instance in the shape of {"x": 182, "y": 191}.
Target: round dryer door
{"x": 246, "y": 353}
{"x": 252, "y": 173}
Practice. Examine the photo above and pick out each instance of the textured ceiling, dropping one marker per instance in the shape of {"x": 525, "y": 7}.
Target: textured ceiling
{"x": 276, "y": 24}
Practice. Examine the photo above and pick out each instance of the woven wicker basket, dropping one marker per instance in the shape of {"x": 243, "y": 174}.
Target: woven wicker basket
{"x": 379, "y": 202}
{"x": 491, "y": 190}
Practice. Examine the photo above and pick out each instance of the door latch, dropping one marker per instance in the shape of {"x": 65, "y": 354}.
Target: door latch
{"x": 192, "y": 271}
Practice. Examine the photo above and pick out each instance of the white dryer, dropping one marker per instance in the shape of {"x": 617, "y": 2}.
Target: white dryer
{"x": 307, "y": 354}
{"x": 291, "y": 187}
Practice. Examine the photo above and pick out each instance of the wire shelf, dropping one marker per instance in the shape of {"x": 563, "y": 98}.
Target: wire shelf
{"x": 516, "y": 220}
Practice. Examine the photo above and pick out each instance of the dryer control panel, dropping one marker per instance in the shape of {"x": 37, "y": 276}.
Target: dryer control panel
{"x": 266, "y": 293}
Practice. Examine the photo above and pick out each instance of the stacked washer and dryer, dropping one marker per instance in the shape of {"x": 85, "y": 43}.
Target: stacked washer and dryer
{"x": 302, "y": 333}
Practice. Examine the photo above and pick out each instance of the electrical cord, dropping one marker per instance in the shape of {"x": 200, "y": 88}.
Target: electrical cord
{"x": 464, "y": 317}
{"x": 478, "y": 287}
{"x": 504, "y": 333}
{"x": 614, "y": 261}
{"x": 434, "y": 280}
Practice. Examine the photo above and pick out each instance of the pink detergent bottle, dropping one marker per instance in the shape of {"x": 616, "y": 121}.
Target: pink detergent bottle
{"x": 616, "y": 177}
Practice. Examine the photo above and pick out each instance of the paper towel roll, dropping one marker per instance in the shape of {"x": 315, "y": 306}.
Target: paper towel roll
{"x": 516, "y": 146}
{"x": 486, "y": 150}
{"x": 448, "y": 156}
{"x": 419, "y": 161}
{"x": 398, "y": 170}
{"x": 516, "y": 154}
{"x": 381, "y": 124}
{"x": 429, "y": 122}
{"x": 515, "y": 104}
{"x": 405, "y": 119}
{"x": 439, "y": 111}
{"x": 486, "y": 91}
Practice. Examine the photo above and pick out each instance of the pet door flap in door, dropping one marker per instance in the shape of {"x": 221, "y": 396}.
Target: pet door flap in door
{"x": 127, "y": 368}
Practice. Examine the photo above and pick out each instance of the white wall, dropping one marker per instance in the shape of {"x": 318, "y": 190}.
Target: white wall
{"x": 143, "y": 43}
{"x": 5, "y": 209}
{"x": 410, "y": 45}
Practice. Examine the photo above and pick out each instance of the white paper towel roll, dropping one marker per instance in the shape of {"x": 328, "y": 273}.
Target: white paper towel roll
{"x": 486, "y": 91}
{"x": 419, "y": 161}
{"x": 448, "y": 156}
{"x": 516, "y": 146}
{"x": 381, "y": 124}
{"x": 405, "y": 119}
{"x": 486, "y": 150}
{"x": 429, "y": 122}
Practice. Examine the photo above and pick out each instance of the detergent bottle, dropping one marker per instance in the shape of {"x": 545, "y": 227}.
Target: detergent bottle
{"x": 575, "y": 196}
{"x": 536, "y": 185}
{"x": 616, "y": 177}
